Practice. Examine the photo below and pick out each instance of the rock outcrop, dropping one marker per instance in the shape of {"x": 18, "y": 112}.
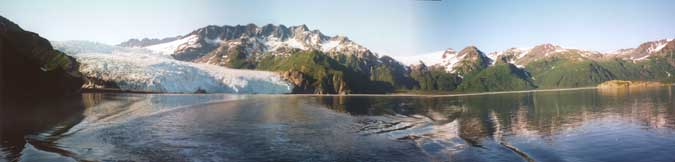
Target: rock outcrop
{"x": 628, "y": 84}
{"x": 300, "y": 82}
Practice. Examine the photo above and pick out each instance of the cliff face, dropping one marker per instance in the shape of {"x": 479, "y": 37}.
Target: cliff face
{"x": 31, "y": 68}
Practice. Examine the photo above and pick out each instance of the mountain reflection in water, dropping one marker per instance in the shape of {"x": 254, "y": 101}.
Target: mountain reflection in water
{"x": 579, "y": 125}
{"x": 584, "y": 125}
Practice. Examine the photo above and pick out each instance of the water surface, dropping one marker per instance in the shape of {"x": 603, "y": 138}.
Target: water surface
{"x": 579, "y": 125}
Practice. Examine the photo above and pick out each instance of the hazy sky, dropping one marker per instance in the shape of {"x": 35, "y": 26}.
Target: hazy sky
{"x": 403, "y": 27}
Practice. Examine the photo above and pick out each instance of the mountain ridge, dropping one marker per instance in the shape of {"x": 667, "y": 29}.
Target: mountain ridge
{"x": 541, "y": 66}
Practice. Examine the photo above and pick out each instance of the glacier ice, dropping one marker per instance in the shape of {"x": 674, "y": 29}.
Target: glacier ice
{"x": 141, "y": 70}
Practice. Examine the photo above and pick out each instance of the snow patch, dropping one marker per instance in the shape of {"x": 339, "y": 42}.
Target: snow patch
{"x": 293, "y": 43}
{"x": 273, "y": 43}
{"x": 169, "y": 48}
{"x": 494, "y": 56}
{"x": 451, "y": 59}
{"x": 518, "y": 54}
{"x": 659, "y": 47}
{"x": 328, "y": 45}
{"x": 215, "y": 41}
{"x": 522, "y": 52}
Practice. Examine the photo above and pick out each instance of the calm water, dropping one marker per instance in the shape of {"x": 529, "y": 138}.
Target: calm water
{"x": 580, "y": 125}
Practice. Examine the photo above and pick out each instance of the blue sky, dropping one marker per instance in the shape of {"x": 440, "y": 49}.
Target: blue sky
{"x": 392, "y": 27}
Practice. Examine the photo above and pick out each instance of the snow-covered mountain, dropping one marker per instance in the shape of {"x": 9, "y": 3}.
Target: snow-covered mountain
{"x": 452, "y": 60}
{"x": 448, "y": 58}
{"x": 143, "y": 70}
{"x": 523, "y": 56}
{"x": 509, "y": 55}
{"x": 212, "y": 44}
{"x": 467, "y": 60}
{"x": 645, "y": 50}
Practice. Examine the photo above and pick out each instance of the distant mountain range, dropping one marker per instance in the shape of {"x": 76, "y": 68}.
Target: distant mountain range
{"x": 307, "y": 61}
{"x": 213, "y": 44}
{"x": 523, "y": 56}
{"x": 317, "y": 63}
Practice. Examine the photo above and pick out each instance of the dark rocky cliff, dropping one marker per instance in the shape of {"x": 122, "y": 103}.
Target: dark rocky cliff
{"x": 31, "y": 69}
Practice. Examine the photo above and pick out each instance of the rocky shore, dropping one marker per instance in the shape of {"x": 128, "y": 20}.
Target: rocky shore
{"x": 629, "y": 84}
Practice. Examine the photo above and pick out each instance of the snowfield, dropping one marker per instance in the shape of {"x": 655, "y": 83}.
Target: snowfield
{"x": 142, "y": 70}
{"x": 170, "y": 47}
{"x": 428, "y": 58}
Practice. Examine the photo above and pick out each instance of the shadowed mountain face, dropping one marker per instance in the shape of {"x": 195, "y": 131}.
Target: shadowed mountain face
{"x": 32, "y": 69}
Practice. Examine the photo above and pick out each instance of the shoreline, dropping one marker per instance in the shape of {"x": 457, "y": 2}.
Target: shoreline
{"x": 108, "y": 90}
{"x": 114, "y": 90}
{"x": 441, "y": 95}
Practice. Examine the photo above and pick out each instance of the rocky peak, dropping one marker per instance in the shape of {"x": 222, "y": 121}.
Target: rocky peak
{"x": 473, "y": 50}
{"x": 448, "y": 53}
{"x": 544, "y": 49}
{"x": 521, "y": 57}
{"x": 255, "y": 41}
{"x": 281, "y": 31}
{"x": 646, "y": 49}
{"x": 468, "y": 59}
{"x": 449, "y": 58}
{"x": 300, "y": 28}
{"x": 653, "y": 46}
{"x": 146, "y": 41}
{"x": 510, "y": 55}
{"x": 473, "y": 53}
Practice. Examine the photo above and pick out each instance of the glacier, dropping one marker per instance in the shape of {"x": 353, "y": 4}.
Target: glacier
{"x": 138, "y": 69}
